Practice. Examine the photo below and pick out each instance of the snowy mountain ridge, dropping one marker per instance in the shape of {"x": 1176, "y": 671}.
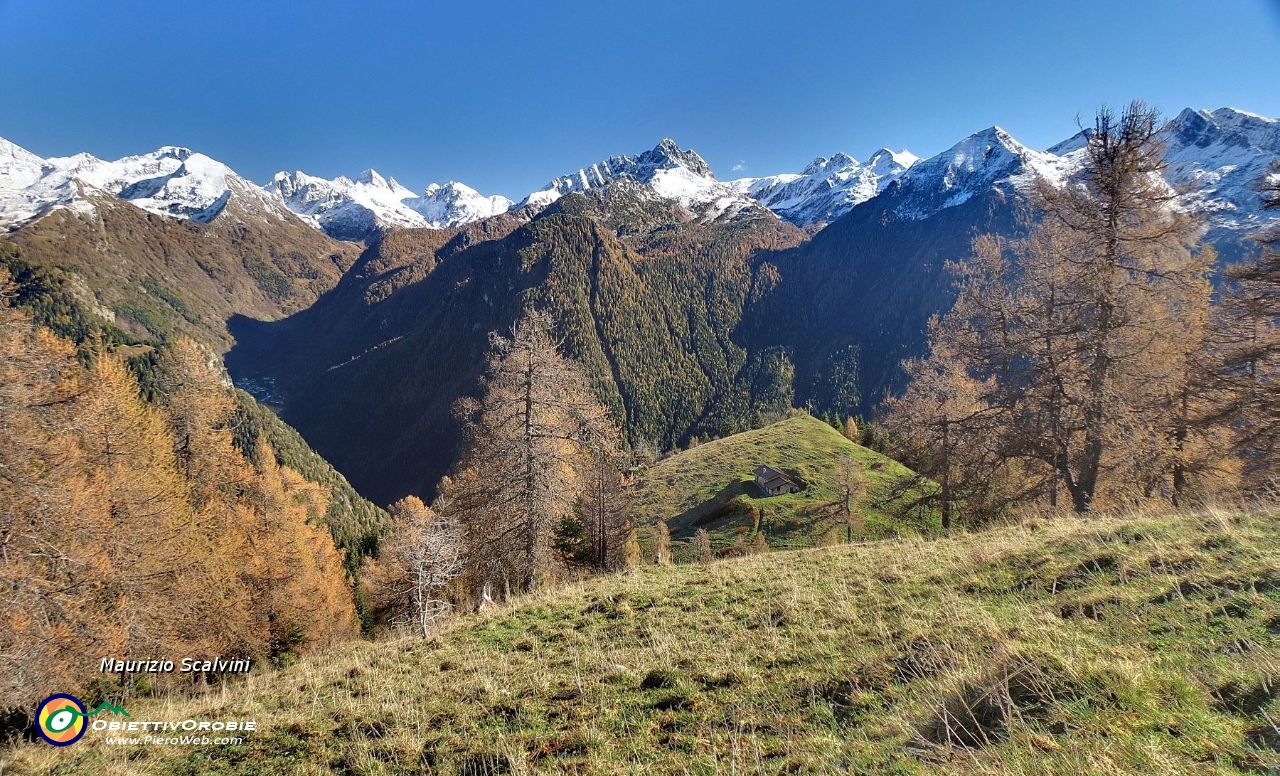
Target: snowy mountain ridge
{"x": 184, "y": 184}
{"x": 667, "y": 170}
{"x": 170, "y": 181}
{"x": 356, "y": 209}
{"x": 1215, "y": 157}
{"x": 1219, "y": 157}
{"x": 829, "y": 187}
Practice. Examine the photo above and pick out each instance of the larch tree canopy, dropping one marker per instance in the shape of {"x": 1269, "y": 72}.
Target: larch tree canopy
{"x": 530, "y": 456}
{"x": 1067, "y": 361}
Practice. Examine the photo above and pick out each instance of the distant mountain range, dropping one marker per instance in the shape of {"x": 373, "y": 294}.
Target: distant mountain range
{"x": 357, "y": 209}
{"x": 1215, "y": 156}
{"x": 695, "y": 305}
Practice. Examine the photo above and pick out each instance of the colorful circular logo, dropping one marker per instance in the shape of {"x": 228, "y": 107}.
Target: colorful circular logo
{"x": 60, "y": 719}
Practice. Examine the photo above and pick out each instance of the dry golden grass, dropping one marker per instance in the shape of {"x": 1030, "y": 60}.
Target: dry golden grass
{"x": 1114, "y": 645}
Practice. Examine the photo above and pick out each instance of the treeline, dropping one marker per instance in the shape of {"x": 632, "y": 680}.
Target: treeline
{"x": 1088, "y": 363}
{"x": 138, "y": 529}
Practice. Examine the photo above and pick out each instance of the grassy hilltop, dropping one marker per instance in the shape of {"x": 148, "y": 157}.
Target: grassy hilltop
{"x": 1101, "y": 646}
{"x": 711, "y": 486}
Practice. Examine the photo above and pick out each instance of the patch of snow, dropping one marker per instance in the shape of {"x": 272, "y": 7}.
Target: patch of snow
{"x": 829, "y": 187}
{"x": 356, "y": 209}
{"x": 170, "y": 181}
{"x": 667, "y": 170}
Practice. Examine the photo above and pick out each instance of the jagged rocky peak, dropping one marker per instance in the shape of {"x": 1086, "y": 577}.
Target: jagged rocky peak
{"x": 828, "y": 187}
{"x": 449, "y": 190}
{"x": 1218, "y": 157}
{"x": 667, "y": 170}
{"x": 667, "y": 154}
{"x": 836, "y": 162}
{"x": 173, "y": 152}
{"x": 1225, "y": 126}
{"x": 286, "y": 184}
{"x": 362, "y": 208}
{"x": 370, "y": 177}
{"x": 455, "y": 204}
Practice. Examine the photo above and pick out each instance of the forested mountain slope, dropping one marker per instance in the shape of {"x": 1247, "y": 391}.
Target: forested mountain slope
{"x": 59, "y": 299}
{"x": 644, "y": 297}
{"x": 854, "y": 301}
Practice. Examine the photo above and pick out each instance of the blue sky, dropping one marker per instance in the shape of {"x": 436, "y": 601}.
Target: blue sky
{"x": 506, "y": 95}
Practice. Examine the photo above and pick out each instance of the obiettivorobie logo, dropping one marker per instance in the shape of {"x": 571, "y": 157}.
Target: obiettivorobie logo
{"x": 61, "y": 719}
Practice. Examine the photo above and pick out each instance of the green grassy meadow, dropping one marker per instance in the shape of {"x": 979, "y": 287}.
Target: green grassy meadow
{"x": 1112, "y": 645}
{"x": 711, "y": 486}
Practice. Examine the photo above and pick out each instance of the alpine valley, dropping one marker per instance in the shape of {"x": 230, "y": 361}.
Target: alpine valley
{"x": 361, "y": 311}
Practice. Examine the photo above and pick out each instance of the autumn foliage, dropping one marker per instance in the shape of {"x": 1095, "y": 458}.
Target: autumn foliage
{"x": 138, "y": 530}
{"x": 1085, "y": 363}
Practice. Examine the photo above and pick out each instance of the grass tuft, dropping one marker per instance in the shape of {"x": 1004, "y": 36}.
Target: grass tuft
{"x": 970, "y": 655}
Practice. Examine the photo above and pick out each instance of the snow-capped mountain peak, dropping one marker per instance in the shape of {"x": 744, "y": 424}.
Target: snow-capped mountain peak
{"x": 886, "y": 162}
{"x": 19, "y": 167}
{"x": 371, "y": 177}
{"x": 990, "y": 157}
{"x": 454, "y": 204}
{"x": 345, "y": 208}
{"x": 1218, "y": 157}
{"x": 669, "y": 156}
{"x": 357, "y": 209}
{"x": 667, "y": 169}
{"x": 983, "y": 153}
{"x": 828, "y": 187}
{"x": 172, "y": 181}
